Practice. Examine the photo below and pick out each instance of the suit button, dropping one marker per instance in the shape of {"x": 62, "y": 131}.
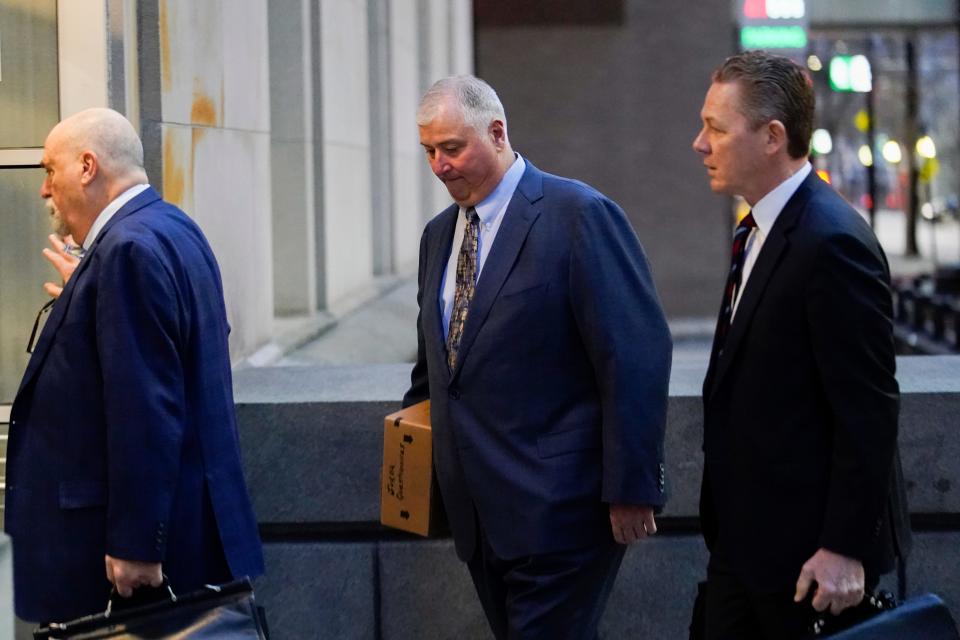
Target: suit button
{"x": 454, "y": 394}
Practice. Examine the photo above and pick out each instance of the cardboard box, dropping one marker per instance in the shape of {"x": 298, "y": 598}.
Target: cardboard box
{"x": 409, "y": 499}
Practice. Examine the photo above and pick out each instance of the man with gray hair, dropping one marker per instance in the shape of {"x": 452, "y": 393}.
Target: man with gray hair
{"x": 546, "y": 356}
{"x": 123, "y": 460}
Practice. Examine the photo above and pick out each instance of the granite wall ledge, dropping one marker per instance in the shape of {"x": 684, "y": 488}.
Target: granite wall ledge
{"x": 312, "y": 438}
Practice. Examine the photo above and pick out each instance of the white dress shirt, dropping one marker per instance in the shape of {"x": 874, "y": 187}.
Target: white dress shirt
{"x": 109, "y": 211}
{"x": 490, "y": 211}
{"x": 765, "y": 213}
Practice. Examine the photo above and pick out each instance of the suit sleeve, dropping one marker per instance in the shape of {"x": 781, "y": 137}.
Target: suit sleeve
{"x": 419, "y": 381}
{"x": 138, "y": 333}
{"x": 628, "y": 342}
{"x": 849, "y": 313}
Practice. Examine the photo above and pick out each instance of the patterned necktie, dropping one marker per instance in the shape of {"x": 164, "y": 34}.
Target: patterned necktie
{"x": 466, "y": 284}
{"x": 739, "y": 252}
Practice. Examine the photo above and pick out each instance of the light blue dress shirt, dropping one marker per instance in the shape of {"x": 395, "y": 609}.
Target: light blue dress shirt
{"x": 491, "y": 211}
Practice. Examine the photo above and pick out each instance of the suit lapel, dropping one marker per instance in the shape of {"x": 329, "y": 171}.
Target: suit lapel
{"x": 519, "y": 217}
{"x": 62, "y": 305}
{"x": 774, "y": 246}
{"x": 437, "y": 255}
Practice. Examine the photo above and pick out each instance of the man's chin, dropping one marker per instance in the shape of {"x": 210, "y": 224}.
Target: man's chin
{"x": 461, "y": 199}
{"x": 58, "y": 226}
{"x": 719, "y": 187}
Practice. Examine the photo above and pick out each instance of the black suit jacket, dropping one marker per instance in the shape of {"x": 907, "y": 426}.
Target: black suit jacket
{"x": 801, "y": 405}
{"x": 557, "y": 405}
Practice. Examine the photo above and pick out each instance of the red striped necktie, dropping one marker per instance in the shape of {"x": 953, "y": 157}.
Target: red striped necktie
{"x": 738, "y": 253}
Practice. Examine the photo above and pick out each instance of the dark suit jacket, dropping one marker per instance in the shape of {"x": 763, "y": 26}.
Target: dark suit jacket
{"x": 801, "y": 406}
{"x": 557, "y": 404}
{"x": 123, "y": 438}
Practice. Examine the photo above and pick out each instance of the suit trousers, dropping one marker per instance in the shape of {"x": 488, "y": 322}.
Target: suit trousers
{"x": 735, "y": 612}
{"x": 555, "y": 596}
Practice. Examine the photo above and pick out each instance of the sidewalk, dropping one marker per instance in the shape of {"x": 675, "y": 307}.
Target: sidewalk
{"x": 939, "y": 243}
{"x": 379, "y": 332}
{"x": 383, "y": 331}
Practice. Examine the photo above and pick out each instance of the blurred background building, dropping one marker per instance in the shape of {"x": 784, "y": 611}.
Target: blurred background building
{"x": 286, "y": 129}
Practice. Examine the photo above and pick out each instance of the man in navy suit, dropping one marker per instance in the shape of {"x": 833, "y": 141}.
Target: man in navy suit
{"x": 546, "y": 357}
{"x": 801, "y": 495}
{"x": 123, "y": 460}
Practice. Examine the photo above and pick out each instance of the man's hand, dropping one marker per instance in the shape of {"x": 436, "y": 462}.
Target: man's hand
{"x": 839, "y": 581}
{"x": 62, "y": 261}
{"x": 127, "y": 575}
{"x": 631, "y": 522}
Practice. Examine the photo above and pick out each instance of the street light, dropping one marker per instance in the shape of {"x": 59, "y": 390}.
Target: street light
{"x": 891, "y": 152}
{"x": 925, "y": 148}
{"x": 822, "y": 142}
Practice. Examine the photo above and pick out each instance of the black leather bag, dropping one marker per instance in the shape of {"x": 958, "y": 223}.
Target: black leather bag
{"x": 922, "y": 617}
{"x": 216, "y": 611}
{"x": 824, "y": 624}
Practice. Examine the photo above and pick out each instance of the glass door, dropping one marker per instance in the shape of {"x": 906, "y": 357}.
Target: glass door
{"x": 29, "y": 108}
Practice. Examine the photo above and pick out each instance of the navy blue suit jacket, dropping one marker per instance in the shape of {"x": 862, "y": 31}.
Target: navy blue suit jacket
{"x": 557, "y": 405}
{"x": 801, "y": 405}
{"x": 123, "y": 437}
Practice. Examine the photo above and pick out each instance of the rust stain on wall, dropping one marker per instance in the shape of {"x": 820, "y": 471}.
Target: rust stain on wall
{"x": 203, "y": 111}
{"x": 173, "y": 173}
{"x": 196, "y": 135}
{"x": 164, "y": 29}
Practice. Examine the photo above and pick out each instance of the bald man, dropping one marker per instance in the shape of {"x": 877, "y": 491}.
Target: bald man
{"x": 123, "y": 460}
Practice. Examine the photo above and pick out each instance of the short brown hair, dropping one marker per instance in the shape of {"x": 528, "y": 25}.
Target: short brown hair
{"x": 774, "y": 88}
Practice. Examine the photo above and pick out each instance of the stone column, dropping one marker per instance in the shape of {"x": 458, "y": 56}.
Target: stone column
{"x": 208, "y": 121}
{"x": 409, "y": 166}
{"x": 344, "y": 110}
{"x": 296, "y": 256}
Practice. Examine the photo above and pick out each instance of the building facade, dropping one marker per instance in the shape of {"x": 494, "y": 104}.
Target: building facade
{"x": 286, "y": 129}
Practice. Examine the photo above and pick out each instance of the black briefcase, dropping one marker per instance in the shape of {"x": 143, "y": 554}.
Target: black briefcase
{"x": 216, "y": 611}
{"x": 923, "y": 617}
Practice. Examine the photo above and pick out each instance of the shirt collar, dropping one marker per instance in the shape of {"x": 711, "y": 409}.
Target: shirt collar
{"x": 766, "y": 211}
{"x": 494, "y": 204}
{"x": 109, "y": 211}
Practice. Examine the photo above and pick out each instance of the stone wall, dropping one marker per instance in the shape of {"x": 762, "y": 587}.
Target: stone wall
{"x": 205, "y": 120}
{"x": 287, "y": 130}
{"x": 334, "y": 572}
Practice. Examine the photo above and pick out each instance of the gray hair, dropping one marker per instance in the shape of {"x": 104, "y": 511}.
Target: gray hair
{"x": 478, "y": 102}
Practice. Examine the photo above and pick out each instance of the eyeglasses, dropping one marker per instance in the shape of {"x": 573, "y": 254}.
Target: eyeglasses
{"x": 32, "y": 343}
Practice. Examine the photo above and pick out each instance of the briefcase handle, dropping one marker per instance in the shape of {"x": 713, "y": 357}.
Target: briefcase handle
{"x": 143, "y": 595}
{"x": 825, "y": 623}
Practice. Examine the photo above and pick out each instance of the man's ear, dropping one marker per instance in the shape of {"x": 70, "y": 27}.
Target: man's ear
{"x": 90, "y": 166}
{"x": 776, "y": 137}
{"x": 498, "y": 133}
